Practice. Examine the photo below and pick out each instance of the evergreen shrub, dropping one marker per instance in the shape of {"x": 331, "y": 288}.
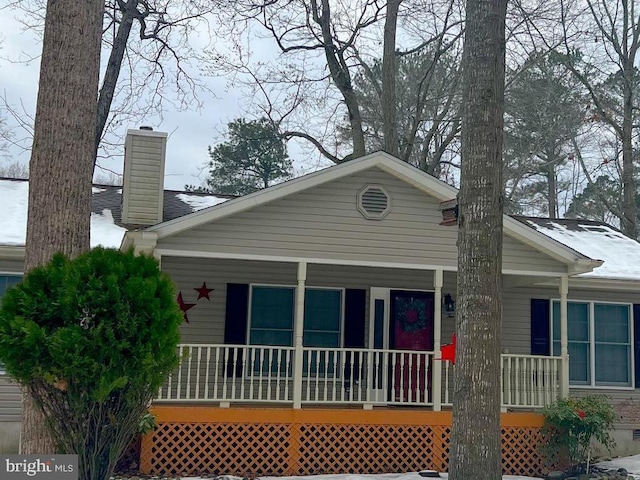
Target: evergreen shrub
{"x": 92, "y": 339}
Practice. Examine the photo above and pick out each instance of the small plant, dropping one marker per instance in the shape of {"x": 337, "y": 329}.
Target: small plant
{"x": 571, "y": 424}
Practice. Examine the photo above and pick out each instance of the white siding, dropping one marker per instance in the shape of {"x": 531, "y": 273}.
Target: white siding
{"x": 324, "y": 223}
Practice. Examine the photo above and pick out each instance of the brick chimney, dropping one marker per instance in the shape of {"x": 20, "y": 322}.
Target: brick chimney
{"x": 143, "y": 182}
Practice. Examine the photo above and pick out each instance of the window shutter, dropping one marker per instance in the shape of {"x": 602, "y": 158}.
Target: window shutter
{"x": 235, "y": 323}
{"x": 540, "y": 327}
{"x": 636, "y": 342}
{"x": 355, "y": 309}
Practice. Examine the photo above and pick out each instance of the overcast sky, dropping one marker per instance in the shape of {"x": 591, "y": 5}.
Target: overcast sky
{"x": 190, "y": 132}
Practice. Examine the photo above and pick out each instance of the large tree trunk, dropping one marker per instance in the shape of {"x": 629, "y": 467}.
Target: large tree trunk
{"x": 62, "y": 155}
{"x": 388, "y": 100}
{"x": 475, "y": 440}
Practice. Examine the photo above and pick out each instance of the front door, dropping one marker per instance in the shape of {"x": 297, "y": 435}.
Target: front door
{"x": 410, "y": 329}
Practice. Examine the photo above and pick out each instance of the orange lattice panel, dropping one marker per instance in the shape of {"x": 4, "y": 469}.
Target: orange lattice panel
{"x": 240, "y": 449}
{"x": 520, "y": 451}
{"x": 280, "y": 442}
{"x": 326, "y": 449}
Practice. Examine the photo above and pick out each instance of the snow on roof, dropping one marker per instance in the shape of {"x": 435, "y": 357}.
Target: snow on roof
{"x": 104, "y": 231}
{"x": 13, "y": 212}
{"x": 621, "y": 254}
{"x": 106, "y": 225}
{"x": 14, "y": 196}
{"x": 199, "y": 202}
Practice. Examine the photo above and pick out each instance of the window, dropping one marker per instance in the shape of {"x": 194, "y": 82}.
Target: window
{"x": 272, "y": 323}
{"x": 272, "y": 316}
{"x": 322, "y": 318}
{"x": 7, "y": 281}
{"x": 599, "y": 343}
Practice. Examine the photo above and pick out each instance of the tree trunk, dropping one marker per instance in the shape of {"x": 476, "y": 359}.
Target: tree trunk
{"x": 62, "y": 155}
{"x": 388, "y": 100}
{"x": 112, "y": 71}
{"x": 629, "y": 224}
{"x": 552, "y": 185}
{"x": 475, "y": 439}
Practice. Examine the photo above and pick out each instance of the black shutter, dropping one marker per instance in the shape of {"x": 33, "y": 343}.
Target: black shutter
{"x": 636, "y": 342}
{"x": 235, "y": 323}
{"x": 355, "y": 309}
{"x": 540, "y": 327}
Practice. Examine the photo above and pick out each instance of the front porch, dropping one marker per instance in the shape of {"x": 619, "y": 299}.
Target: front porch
{"x": 243, "y": 374}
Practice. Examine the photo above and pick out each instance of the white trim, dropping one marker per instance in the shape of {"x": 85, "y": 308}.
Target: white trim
{"x": 399, "y": 169}
{"x": 171, "y": 252}
{"x": 11, "y": 274}
{"x": 605, "y": 283}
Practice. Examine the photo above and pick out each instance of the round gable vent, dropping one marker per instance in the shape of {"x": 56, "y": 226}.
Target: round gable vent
{"x": 374, "y": 202}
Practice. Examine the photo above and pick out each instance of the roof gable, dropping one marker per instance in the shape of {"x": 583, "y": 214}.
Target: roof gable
{"x": 412, "y": 176}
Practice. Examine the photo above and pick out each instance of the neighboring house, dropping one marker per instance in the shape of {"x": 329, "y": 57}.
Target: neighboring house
{"x": 315, "y": 312}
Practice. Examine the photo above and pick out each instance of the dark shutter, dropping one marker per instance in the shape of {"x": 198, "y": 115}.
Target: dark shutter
{"x": 540, "y": 327}
{"x": 636, "y": 341}
{"x": 235, "y": 323}
{"x": 355, "y": 309}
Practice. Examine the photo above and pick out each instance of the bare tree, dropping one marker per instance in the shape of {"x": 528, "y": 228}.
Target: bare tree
{"x": 545, "y": 113}
{"x": 150, "y": 59}
{"x": 14, "y": 170}
{"x": 322, "y": 45}
{"x": 62, "y": 155}
{"x": 475, "y": 439}
{"x": 609, "y": 32}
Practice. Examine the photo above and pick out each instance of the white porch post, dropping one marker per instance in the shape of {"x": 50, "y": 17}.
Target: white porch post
{"x": 564, "y": 337}
{"x": 298, "y": 328}
{"x": 436, "y": 381}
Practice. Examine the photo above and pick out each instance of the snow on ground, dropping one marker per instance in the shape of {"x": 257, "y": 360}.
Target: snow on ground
{"x": 385, "y": 476}
{"x": 631, "y": 464}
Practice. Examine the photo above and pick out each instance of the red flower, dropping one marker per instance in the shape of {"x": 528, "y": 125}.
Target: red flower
{"x": 581, "y": 414}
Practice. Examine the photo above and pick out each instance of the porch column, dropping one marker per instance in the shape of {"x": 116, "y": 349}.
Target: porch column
{"x": 564, "y": 337}
{"x": 436, "y": 381}
{"x": 298, "y": 328}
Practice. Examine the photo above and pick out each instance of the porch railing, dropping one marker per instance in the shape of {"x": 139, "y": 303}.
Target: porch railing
{"x": 254, "y": 373}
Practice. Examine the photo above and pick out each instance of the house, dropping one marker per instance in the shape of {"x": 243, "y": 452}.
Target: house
{"x": 315, "y": 312}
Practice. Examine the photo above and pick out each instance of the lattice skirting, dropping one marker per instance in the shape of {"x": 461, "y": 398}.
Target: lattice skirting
{"x": 253, "y": 442}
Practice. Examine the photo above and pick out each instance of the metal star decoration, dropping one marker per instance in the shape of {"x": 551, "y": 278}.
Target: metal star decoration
{"x": 184, "y": 306}
{"x": 203, "y": 291}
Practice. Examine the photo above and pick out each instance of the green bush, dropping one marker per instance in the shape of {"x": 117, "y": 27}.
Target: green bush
{"x": 570, "y": 425}
{"x": 92, "y": 339}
